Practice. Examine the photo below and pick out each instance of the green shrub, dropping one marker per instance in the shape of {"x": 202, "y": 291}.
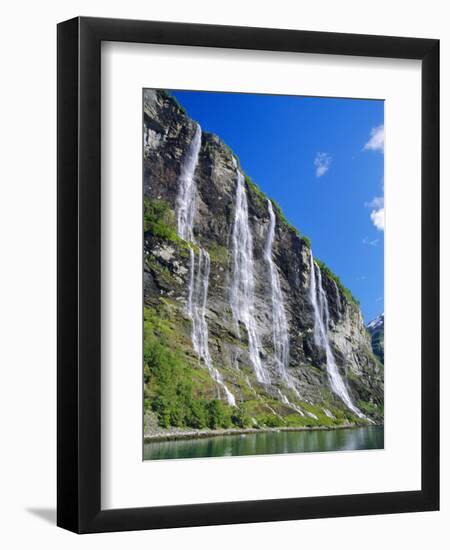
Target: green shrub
{"x": 241, "y": 419}
{"x": 219, "y": 415}
{"x": 170, "y": 383}
{"x": 271, "y": 421}
{"x": 146, "y": 373}
{"x": 261, "y": 199}
{"x": 306, "y": 240}
{"x": 294, "y": 420}
{"x": 218, "y": 253}
{"x": 159, "y": 219}
{"x": 174, "y": 389}
{"x": 198, "y": 415}
{"x": 283, "y": 218}
{"x": 331, "y": 275}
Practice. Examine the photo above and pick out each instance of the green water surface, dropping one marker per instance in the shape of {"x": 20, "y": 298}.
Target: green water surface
{"x": 354, "y": 439}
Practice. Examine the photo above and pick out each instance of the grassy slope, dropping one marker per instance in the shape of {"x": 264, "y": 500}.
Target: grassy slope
{"x": 177, "y": 388}
{"x": 180, "y": 391}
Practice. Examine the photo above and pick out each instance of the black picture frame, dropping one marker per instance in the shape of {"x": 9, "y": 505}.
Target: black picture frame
{"x": 79, "y": 280}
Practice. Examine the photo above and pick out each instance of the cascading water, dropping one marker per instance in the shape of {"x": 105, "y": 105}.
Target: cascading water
{"x": 329, "y": 414}
{"x": 286, "y": 401}
{"x": 198, "y": 278}
{"x": 242, "y": 296}
{"x": 321, "y": 322}
{"x": 198, "y": 305}
{"x": 280, "y": 330}
{"x": 186, "y": 189}
{"x": 338, "y": 298}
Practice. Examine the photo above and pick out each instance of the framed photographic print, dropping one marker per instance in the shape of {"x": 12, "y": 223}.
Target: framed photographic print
{"x": 248, "y": 259}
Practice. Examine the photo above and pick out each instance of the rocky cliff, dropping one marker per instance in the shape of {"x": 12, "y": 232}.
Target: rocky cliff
{"x": 376, "y": 330}
{"x": 234, "y": 333}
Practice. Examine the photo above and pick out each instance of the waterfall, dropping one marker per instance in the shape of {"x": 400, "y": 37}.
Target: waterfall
{"x": 186, "y": 189}
{"x": 280, "y": 330}
{"x": 199, "y": 324}
{"x": 242, "y": 284}
{"x": 198, "y": 277}
{"x": 338, "y": 298}
{"x": 321, "y": 322}
{"x": 286, "y": 401}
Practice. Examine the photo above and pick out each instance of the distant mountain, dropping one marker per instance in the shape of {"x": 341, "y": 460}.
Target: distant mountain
{"x": 376, "y": 330}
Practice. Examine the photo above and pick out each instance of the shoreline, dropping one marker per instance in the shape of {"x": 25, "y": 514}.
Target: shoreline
{"x": 203, "y": 434}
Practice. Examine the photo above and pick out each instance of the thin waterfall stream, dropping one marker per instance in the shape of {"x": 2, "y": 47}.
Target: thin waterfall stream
{"x": 280, "y": 330}
{"x": 198, "y": 275}
{"x": 280, "y": 327}
{"x": 321, "y": 323}
{"x": 242, "y": 291}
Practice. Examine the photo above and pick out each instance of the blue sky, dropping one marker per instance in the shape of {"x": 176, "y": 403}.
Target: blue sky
{"x": 322, "y": 160}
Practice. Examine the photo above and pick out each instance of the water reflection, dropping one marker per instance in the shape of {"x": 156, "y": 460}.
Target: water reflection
{"x": 371, "y": 437}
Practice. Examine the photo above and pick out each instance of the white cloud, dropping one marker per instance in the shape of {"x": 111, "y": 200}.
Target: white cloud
{"x": 376, "y": 202}
{"x": 370, "y": 242}
{"x": 322, "y": 163}
{"x": 377, "y": 217}
{"x": 376, "y": 141}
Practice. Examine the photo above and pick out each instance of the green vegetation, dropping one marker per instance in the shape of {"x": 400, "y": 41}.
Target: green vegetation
{"x": 159, "y": 220}
{"x": 283, "y": 218}
{"x": 181, "y": 393}
{"x": 307, "y": 241}
{"x": 241, "y": 419}
{"x": 218, "y": 253}
{"x": 176, "y": 388}
{"x": 160, "y": 271}
{"x": 261, "y": 200}
{"x": 258, "y": 196}
{"x": 331, "y": 275}
{"x": 371, "y": 409}
{"x": 274, "y": 414}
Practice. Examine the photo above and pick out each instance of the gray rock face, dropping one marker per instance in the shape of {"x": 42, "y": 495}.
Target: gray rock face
{"x": 376, "y": 330}
{"x": 167, "y": 135}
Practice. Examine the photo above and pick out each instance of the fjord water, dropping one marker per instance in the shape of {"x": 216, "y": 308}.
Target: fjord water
{"x": 198, "y": 275}
{"x": 321, "y": 321}
{"x": 354, "y": 439}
